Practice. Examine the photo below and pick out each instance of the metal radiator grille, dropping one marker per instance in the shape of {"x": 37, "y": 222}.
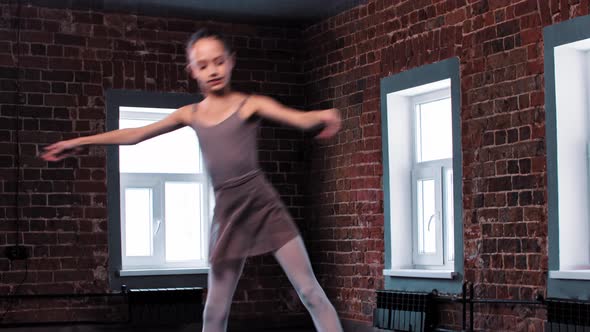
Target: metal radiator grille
{"x": 566, "y": 315}
{"x": 165, "y": 305}
{"x": 403, "y": 311}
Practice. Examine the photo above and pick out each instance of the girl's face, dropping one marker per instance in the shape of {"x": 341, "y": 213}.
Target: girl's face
{"x": 210, "y": 64}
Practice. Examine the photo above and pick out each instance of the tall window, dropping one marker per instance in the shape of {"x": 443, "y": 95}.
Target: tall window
{"x": 567, "y": 98}
{"x": 165, "y": 200}
{"x": 422, "y": 178}
{"x": 572, "y": 62}
{"x": 159, "y": 198}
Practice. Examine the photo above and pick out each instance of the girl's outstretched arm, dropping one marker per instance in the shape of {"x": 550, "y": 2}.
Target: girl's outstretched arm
{"x": 271, "y": 109}
{"x": 127, "y": 136}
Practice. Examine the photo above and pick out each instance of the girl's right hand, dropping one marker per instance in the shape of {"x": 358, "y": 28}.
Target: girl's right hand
{"x": 60, "y": 150}
{"x": 332, "y": 122}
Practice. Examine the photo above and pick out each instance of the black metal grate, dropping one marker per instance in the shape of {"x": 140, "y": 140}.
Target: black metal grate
{"x": 403, "y": 311}
{"x": 165, "y": 305}
{"x": 567, "y": 315}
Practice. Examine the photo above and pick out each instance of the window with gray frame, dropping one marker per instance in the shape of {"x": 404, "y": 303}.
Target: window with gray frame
{"x": 160, "y": 199}
{"x": 420, "y": 111}
{"x": 567, "y": 105}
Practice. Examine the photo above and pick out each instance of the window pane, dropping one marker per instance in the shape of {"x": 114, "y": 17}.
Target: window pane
{"x": 434, "y": 130}
{"x": 138, "y": 222}
{"x": 183, "y": 221}
{"x": 175, "y": 152}
{"x": 427, "y": 220}
{"x": 449, "y": 215}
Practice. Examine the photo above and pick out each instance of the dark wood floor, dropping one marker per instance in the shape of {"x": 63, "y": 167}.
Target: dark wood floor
{"x": 95, "y": 328}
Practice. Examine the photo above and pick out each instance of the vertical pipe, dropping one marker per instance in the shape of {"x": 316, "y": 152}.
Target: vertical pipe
{"x": 471, "y": 307}
{"x": 402, "y": 310}
{"x": 464, "y": 306}
{"x": 391, "y": 312}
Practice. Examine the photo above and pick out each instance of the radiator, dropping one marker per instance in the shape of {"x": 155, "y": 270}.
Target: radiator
{"x": 403, "y": 311}
{"x": 568, "y": 315}
{"x": 165, "y": 305}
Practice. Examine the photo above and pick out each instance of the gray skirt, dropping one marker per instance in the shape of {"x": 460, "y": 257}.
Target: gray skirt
{"x": 249, "y": 219}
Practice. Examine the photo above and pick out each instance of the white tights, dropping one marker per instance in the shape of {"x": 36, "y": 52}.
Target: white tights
{"x": 223, "y": 279}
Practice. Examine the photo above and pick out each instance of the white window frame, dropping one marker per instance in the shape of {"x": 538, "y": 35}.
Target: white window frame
{"x": 423, "y": 259}
{"x": 442, "y": 258}
{"x": 146, "y": 265}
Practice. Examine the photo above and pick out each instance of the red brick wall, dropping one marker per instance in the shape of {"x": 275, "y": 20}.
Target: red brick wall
{"x": 69, "y": 58}
{"x": 499, "y": 44}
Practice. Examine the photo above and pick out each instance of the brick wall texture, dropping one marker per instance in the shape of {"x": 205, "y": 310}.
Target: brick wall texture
{"x": 69, "y": 58}
{"x": 500, "y": 47}
{"x": 334, "y": 189}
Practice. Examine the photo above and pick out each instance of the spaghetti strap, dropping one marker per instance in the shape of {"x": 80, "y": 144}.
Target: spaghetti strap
{"x": 242, "y": 103}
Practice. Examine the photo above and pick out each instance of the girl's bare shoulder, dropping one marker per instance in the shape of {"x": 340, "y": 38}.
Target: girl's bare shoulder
{"x": 250, "y": 105}
{"x": 185, "y": 113}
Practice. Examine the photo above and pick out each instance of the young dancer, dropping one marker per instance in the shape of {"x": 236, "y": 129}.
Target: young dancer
{"x": 249, "y": 217}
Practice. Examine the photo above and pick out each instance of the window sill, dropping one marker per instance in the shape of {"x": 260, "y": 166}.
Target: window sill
{"x": 161, "y": 272}
{"x": 420, "y": 273}
{"x": 570, "y": 274}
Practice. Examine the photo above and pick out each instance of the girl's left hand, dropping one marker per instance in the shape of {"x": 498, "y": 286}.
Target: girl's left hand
{"x": 332, "y": 123}
{"x": 60, "y": 150}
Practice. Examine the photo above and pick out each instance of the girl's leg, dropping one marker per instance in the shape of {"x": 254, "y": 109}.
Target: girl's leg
{"x": 295, "y": 262}
{"x": 223, "y": 279}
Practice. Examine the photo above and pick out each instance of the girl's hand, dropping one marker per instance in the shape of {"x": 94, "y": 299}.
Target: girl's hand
{"x": 332, "y": 123}
{"x": 60, "y": 150}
